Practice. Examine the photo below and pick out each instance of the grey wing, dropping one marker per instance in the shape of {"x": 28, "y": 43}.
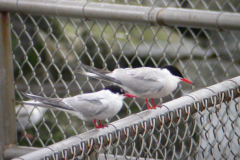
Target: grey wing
{"x": 145, "y": 73}
{"x": 140, "y": 80}
{"x": 84, "y": 105}
{"x": 87, "y": 107}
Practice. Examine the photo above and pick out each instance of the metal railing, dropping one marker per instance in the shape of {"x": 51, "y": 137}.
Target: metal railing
{"x": 129, "y": 14}
{"x": 50, "y": 38}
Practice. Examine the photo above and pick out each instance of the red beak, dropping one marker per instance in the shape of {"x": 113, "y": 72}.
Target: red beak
{"x": 186, "y": 80}
{"x": 130, "y": 95}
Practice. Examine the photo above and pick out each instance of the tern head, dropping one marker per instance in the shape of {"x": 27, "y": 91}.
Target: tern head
{"x": 175, "y": 72}
{"x": 118, "y": 90}
{"x": 115, "y": 89}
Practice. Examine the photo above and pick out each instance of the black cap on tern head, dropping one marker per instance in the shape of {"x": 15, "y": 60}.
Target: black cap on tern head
{"x": 115, "y": 89}
{"x": 173, "y": 70}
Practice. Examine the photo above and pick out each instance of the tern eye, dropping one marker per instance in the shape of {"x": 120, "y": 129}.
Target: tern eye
{"x": 122, "y": 91}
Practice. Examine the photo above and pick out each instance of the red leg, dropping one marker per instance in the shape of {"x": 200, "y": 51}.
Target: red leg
{"x": 95, "y": 123}
{"x": 148, "y": 104}
{"x": 154, "y": 106}
{"x": 99, "y": 124}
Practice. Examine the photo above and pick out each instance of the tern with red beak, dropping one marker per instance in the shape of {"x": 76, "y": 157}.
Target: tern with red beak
{"x": 89, "y": 107}
{"x": 143, "y": 82}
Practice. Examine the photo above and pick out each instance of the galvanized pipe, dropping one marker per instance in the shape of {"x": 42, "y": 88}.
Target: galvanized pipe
{"x": 119, "y": 157}
{"x": 170, "y": 111}
{"x": 126, "y": 13}
{"x": 15, "y": 151}
{"x": 8, "y": 132}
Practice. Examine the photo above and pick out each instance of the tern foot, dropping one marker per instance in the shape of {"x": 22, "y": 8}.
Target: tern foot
{"x": 152, "y": 108}
{"x": 148, "y": 107}
{"x": 102, "y": 126}
{"x": 158, "y": 106}
{"x": 99, "y": 124}
{"x": 155, "y": 106}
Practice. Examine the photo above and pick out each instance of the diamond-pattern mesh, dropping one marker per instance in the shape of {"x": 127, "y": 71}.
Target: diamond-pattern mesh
{"x": 47, "y": 51}
{"x": 211, "y": 134}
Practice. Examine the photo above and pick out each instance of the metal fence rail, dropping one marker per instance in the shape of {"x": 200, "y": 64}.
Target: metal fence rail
{"x": 50, "y": 37}
{"x": 147, "y": 134}
{"x": 129, "y": 14}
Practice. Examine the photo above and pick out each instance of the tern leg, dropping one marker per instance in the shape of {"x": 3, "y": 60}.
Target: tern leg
{"x": 99, "y": 124}
{"x": 154, "y": 106}
{"x": 95, "y": 123}
{"x": 148, "y": 104}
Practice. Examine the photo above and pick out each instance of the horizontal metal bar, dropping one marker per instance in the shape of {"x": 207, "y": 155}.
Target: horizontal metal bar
{"x": 112, "y": 157}
{"x": 16, "y": 151}
{"x": 126, "y": 13}
{"x": 170, "y": 111}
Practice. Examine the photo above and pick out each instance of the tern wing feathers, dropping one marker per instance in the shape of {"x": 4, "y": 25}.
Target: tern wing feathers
{"x": 87, "y": 105}
{"x": 145, "y": 73}
{"x": 142, "y": 81}
{"x": 99, "y": 74}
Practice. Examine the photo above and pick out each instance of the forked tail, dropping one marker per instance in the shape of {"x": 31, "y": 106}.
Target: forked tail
{"x": 98, "y": 74}
{"x": 52, "y": 103}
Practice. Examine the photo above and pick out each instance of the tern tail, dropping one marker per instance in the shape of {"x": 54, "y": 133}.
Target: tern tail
{"x": 47, "y": 102}
{"x": 98, "y": 74}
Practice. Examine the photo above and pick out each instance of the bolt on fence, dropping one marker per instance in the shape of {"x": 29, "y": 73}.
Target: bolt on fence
{"x": 50, "y": 38}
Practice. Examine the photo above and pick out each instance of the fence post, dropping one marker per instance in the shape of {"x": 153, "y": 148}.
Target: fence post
{"x": 8, "y": 133}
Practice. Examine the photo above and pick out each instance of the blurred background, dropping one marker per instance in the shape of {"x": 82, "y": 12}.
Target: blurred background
{"x": 47, "y": 51}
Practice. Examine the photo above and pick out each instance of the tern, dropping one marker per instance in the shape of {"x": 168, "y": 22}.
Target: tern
{"x": 142, "y": 82}
{"x": 95, "y": 106}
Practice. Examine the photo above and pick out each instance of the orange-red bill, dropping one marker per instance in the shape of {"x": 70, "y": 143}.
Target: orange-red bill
{"x": 186, "y": 80}
{"x": 129, "y": 95}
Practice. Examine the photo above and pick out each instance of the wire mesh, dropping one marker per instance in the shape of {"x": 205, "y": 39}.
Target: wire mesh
{"x": 196, "y": 126}
{"x": 47, "y": 50}
{"x": 211, "y": 134}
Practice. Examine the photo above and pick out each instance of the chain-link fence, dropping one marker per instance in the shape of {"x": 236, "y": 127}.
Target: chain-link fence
{"x": 201, "y": 125}
{"x": 47, "y": 51}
